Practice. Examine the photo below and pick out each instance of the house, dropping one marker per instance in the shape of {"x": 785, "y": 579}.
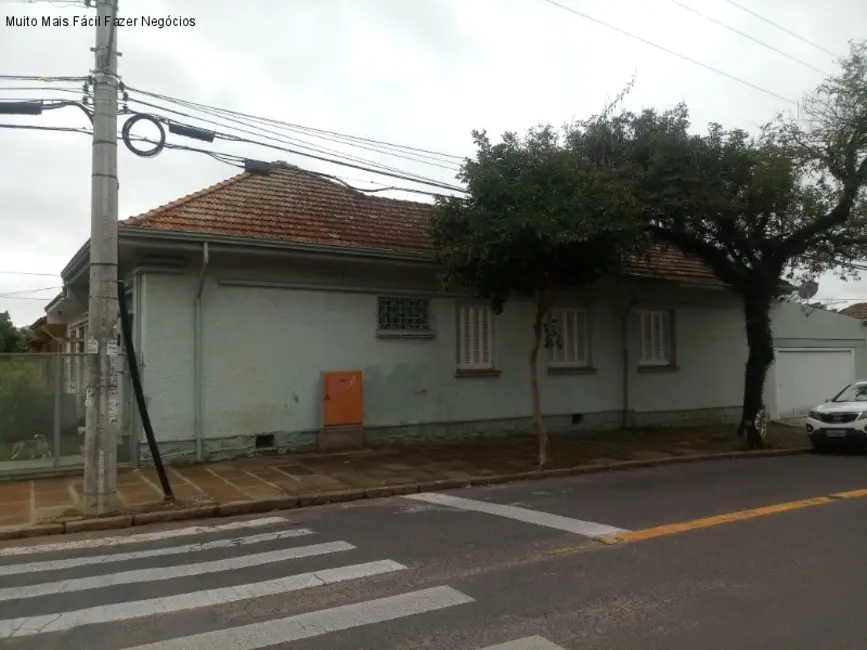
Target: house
{"x": 858, "y": 310}
{"x": 46, "y": 337}
{"x": 245, "y": 293}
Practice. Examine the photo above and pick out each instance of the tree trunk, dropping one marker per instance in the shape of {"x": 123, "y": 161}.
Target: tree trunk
{"x": 761, "y": 355}
{"x": 538, "y": 421}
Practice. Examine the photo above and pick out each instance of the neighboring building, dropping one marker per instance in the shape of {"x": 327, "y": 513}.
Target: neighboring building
{"x": 858, "y": 310}
{"x": 46, "y": 337}
{"x": 245, "y": 293}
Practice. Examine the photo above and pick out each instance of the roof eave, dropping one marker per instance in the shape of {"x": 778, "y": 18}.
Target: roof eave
{"x": 128, "y": 233}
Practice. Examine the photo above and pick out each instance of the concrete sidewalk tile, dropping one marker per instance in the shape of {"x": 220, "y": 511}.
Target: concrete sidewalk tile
{"x": 15, "y": 516}
{"x": 322, "y": 483}
{"x": 13, "y": 492}
{"x": 278, "y": 482}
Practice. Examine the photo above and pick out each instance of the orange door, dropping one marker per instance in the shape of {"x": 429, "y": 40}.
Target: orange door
{"x": 341, "y": 399}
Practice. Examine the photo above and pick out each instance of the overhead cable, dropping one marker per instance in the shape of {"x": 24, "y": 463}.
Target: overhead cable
{"x": 748, "y": 37}
{"x": 304, "y": 144}
{"x": 782, "y": 29}
{"x": 662, "y": 48}
{"x": 290, "y": 125}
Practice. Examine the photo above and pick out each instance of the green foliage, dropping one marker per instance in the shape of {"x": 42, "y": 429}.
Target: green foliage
{"x": 789, "y": 200}
{"x": 12, "y": 339}
{"x": 541, "y": 216}
{"x": 26, "y": 397}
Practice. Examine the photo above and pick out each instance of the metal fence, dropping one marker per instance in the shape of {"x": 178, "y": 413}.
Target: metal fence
{"x": 42, "y": 402}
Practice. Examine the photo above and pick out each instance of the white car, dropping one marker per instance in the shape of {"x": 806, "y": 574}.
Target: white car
{"x": 841, "y": 419}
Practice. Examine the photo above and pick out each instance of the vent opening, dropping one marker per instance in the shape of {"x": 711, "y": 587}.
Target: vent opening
{"x": 265, "y": 441}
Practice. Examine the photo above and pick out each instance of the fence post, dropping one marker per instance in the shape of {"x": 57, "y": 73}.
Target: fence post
{"x": 58, "y": 408}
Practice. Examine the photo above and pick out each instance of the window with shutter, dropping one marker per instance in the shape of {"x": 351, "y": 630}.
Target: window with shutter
{"x": 475, "y": 337}
{"x": 657, "y": 339}
{"x": 571, "y": 329}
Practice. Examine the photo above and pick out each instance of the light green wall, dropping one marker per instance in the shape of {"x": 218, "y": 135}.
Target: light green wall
{"x": 796, "y": 326}
{"x": 265, "y": 347}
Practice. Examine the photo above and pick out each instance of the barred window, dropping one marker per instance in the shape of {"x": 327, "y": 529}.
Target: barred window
{"x": 398, "y": 314}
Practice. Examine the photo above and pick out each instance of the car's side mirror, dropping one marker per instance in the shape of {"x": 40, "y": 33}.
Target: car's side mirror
{"x": 828, "y": 399}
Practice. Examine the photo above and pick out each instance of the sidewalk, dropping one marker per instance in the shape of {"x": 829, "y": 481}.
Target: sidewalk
{"x": 46, "y": 506}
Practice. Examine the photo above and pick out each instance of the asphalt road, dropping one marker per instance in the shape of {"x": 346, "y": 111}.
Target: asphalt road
{"x": 510, "y": 567}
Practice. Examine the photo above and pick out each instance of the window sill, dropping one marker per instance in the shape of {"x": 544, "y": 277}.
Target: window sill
{"x": 571, "y": 370}
{"x": 651, "y": 369}
{"x": 490, "y": 372}
{"x": 405, "y": 334}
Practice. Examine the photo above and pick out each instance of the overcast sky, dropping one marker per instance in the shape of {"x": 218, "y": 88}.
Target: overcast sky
{"x": 421, "y": 73}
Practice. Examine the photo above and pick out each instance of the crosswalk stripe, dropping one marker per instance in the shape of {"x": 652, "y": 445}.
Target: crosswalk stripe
{"x": 123, "y": 540}
{"x": 304, "y": 626}
{"x": 529, "y": 643}
{"x": 578, "y": 526}
{"x": 167, "y": 573}
{"x": 74, "y": 562}
{"x": 31, "y": 625}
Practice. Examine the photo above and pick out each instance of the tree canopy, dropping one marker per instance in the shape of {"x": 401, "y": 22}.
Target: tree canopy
{"x": 541, "y": 217}
{"x": 787, "y": 202}
{"x": 553, "y": 211}
{"x": 12, "y": 339}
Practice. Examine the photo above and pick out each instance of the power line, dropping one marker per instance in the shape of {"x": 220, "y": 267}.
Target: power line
{"x": 31, "y": 273}
{"x": 2, "y": 297}
{"x": 23, "y": 292}
{"x": 747, "y": 36}
{"x": 33, "y": 127}
{"x": 670, "y": 51}
{"x": 289, "y": 125}
{"x": 391, "y": 172}
{"x": 43, "y": 78}
{"x": 379, "y": 167}
{"x": 57, "y": 3}
{"x": 781, "y": 28}
{"x": 38, "y": 89}
{"x": 238, "y": 161}
{"x": 305, "y": 144}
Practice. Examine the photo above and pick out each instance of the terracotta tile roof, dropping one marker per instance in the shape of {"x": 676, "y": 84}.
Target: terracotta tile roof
{"x": 664, "y": 261}
{"x": 858, "y": 310}
{"x": 295, "y": 206}
{"x": 292, "y": 205}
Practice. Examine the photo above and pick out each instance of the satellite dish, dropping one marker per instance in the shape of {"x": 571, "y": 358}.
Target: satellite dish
{"x": 808, "y": 289}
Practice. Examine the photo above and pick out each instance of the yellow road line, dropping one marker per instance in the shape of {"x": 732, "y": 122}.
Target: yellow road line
{"x": 852, "y": 494}
{"x": 705, "y": 522}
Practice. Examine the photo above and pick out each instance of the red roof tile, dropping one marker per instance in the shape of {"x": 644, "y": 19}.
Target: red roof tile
{"x": 296, "y": 206}
{"x": 858, "y": 310}
{"x": 292, "y": 205}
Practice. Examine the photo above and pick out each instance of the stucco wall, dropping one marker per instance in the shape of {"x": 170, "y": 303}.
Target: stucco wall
{"x": 265, "y": 347}
{"x": 796, "y": 326}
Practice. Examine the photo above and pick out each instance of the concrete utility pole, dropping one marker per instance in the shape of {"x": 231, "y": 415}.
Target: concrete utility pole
{"x": 100, "y": 443}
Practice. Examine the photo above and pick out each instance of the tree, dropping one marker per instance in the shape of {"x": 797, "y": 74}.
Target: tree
{"x": 12, "y": 339}
{"x": 788, "y": 202}
{"x": 542, "y": 217}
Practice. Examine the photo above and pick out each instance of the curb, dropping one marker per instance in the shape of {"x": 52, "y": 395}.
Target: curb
{"x": 117, "y": 522}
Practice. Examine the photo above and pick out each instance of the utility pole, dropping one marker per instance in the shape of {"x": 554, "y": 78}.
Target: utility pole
{"x": 100, "y": 443}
